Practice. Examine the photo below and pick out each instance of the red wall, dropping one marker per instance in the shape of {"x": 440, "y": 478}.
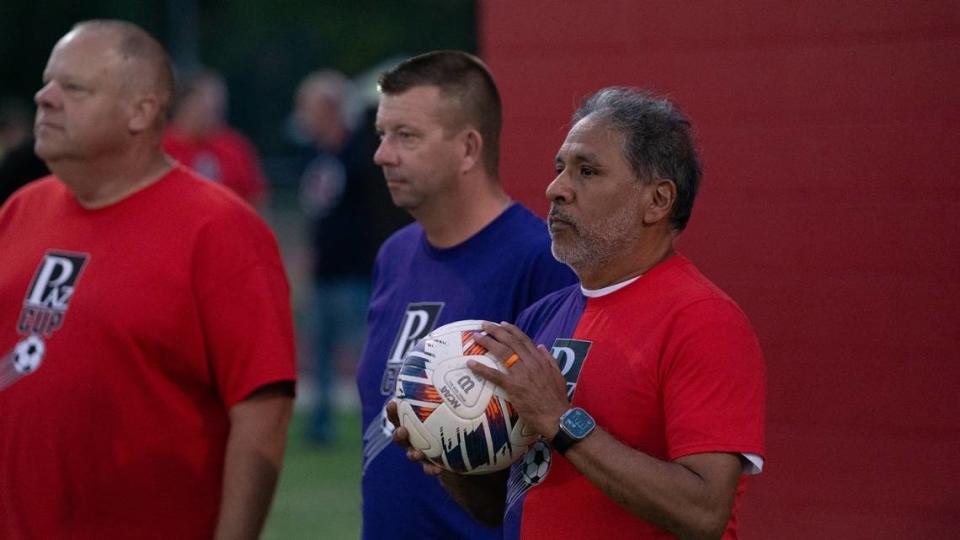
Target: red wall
{"x": 829, "y": 132}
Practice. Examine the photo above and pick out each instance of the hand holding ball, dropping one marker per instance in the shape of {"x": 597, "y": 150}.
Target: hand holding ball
{"x": 461, "y": 422}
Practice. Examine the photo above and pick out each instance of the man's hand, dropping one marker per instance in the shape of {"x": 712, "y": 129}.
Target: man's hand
{"x": 402, "y": 438}
{"x": 534, "y": 383}
{"x": 482, "y": 496}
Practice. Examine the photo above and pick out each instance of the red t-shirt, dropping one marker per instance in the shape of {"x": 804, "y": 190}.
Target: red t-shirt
{"x": 126, "y": 334}
{"x": 225, "y": 156}
{"x": 669, "y": 365}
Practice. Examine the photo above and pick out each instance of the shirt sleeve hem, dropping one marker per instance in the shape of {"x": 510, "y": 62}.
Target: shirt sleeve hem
{"x": 754, "y": 457}
{"x": 247, "y": 390}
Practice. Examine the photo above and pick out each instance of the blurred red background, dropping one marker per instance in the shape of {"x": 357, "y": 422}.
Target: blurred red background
{"x": 830, "y": 138}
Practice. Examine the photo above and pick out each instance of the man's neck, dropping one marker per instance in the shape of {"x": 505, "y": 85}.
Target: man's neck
{"x": 100, "y": 183}
{"x": 455, "y": 219}
{"x": 633, "y": 261}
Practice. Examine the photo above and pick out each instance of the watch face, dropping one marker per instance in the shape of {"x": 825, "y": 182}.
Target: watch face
{"x": 577, "y": 423}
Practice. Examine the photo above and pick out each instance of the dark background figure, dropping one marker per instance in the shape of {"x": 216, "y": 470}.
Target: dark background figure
{"x": 19, "y": 166}
{"x": 18, "y": 163}
{"x": 16, "y": 123}
{"x": 349, "y": 214}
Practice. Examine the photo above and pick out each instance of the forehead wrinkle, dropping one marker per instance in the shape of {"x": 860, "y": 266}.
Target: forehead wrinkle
{"x": 419, "y": 116}
{"x": 589, "y": 157}
{"x": 575, "y": 152}
{"x": 605, "y": 134}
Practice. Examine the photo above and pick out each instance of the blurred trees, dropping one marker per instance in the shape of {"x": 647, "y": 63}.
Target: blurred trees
{"x": 263, "y": 47}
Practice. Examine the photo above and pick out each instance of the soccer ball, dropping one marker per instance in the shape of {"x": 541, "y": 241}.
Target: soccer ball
{"x": 462, "y": 423}
{"x": 28, "y": 354}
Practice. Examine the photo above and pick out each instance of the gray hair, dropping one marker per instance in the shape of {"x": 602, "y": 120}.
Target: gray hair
{"x": 658, "y": 141}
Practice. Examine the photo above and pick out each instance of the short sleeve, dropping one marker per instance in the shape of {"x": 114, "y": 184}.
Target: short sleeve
{"x": 714, "y": 382}
{"x": 244, "y": 303}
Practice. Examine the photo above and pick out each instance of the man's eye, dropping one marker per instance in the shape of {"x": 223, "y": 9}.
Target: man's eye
{"x": 559, "y": 168}
{"x": 587, "y": 171}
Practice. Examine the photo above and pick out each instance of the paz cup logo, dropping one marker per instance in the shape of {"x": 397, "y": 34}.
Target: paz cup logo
{"x": 44, "y": 309}
{"x": 50, "y": 293}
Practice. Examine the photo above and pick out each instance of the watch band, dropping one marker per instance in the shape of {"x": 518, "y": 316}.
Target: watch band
{"x": 562, "y": 442}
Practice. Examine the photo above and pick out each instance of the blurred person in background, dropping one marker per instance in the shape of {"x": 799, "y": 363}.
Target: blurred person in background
{"x": 146, "y": 344}
{"x": 198, "y": 136}
{"x": 18, "y": 162}
{"x": 15, "y": 124}
{"x": 473, "y": 253}
{"x": 349, "y": 214}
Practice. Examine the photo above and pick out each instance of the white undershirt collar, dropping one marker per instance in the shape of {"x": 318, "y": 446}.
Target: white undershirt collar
{"x": 596, "y": 293}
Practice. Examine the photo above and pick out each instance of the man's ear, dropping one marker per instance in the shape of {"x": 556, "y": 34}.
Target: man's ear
{"x": 663, "y": 195}
{"x": 472, "y": 148}
{"x": 143, "y": 113}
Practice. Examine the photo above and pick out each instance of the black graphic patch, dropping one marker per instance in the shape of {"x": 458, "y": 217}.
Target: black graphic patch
{"x": 570, "y": 355}
{"x": 49, "y": 294}
{"x": 419, "y": 319}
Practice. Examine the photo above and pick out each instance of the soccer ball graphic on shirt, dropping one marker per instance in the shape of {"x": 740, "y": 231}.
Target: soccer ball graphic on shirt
{"x": 461, "y": 422}
{"x": 28, "y": 354}
{"x": 536, "y": 463}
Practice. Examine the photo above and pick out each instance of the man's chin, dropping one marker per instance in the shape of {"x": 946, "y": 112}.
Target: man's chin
{"x": 403, "y": 203}
{"x": 44, "y": 152}
{"x": 52, "y": 155}
{"x": 560, "y": 253}
{"x": 402, "y": 199}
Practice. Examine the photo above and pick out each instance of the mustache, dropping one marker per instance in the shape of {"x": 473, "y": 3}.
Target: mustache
{"x": 556, "y": 215}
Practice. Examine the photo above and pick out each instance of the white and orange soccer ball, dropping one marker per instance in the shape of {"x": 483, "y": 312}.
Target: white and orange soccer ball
{"x": 461, "y": 422}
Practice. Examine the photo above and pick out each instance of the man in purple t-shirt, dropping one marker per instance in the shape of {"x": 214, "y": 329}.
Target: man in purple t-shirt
{"x": 472, "y": 254}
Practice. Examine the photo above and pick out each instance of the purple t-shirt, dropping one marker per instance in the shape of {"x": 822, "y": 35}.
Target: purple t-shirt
{"x": 493, "y": 275}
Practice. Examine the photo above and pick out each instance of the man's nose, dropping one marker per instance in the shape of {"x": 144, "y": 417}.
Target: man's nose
{"x": 384, "y": 154}
{"x": 48, "y": 96}
{"x": 558, "y": 191}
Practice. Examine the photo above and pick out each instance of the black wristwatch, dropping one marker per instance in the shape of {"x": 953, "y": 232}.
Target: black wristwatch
{"x": 575, "y": 425}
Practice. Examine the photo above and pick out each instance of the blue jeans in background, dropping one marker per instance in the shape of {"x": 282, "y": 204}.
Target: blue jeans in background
{"x": 340, "y": 310}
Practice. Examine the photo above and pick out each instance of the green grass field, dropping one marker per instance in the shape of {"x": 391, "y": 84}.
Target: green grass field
{"x": 319, "y": 491}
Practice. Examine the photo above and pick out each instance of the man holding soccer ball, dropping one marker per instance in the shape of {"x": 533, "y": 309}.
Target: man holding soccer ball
{"x": 650, "y": 399}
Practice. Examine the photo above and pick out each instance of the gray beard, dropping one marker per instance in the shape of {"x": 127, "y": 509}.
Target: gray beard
{"x": 595, "y": 247}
